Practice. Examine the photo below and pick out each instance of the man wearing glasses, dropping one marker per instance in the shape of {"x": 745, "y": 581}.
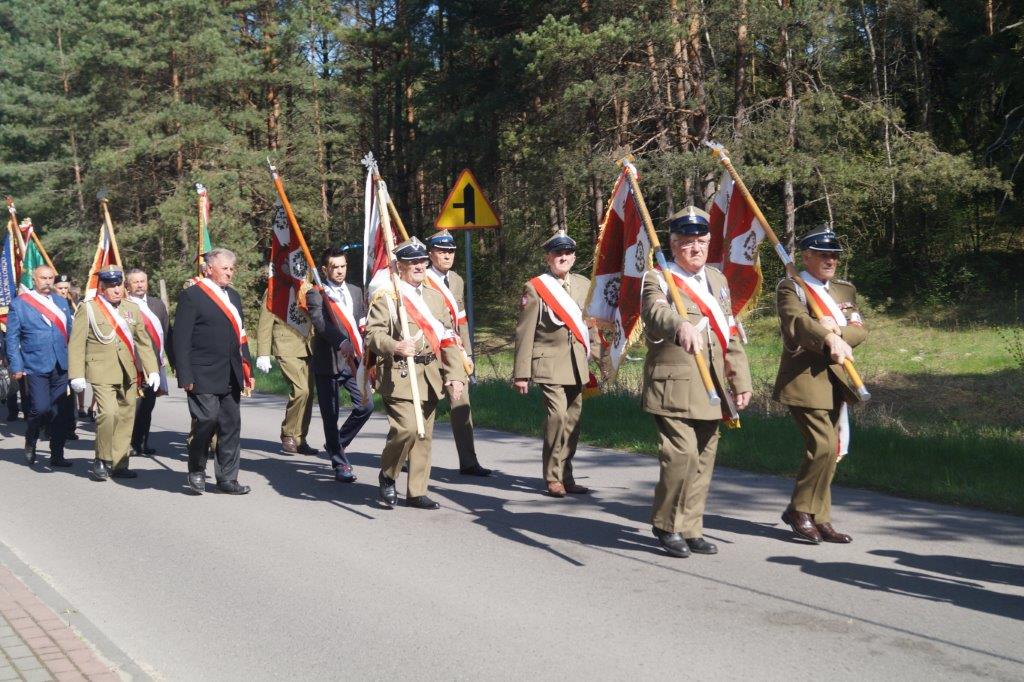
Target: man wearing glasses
{"x": 672, "y": 388}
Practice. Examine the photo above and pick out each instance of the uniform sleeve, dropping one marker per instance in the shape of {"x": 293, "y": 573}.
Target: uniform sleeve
{"x": 659, "y": 315}
{"x": 76, "y": 344}
{"x": 855, "y": 334}
{"x": 526, "y": 329}
{"x": 14, "y": 359}
{"x": 452, "y": 367}
{"x": 184, "y": 326}
{"x": 796, "y": 321}
{"x": 378, "y": 327}
{"x": 144, "y": 344}
{"x": 264, "y": 330}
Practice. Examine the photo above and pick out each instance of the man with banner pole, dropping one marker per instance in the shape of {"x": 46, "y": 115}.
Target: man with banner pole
{"x": 553, "y": 346}
{"x": 285, "y": 331}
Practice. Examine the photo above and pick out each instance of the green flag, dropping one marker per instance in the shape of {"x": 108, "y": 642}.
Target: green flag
{"x": 33, "y": 259}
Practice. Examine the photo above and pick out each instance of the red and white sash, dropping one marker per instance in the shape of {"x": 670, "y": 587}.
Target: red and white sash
{"x": 566, "y": 309}
{"x": 723, "y": 325}
{"x": 342, "y": 310}
{"x": 435, "y": 333}
{"x": 820, "y": 293}
{"x": 436, "y": 282}
{"x": 52, "y": 314}
{"x": 234, "y": 317}
{"x": 118, "y": 323}
{"x": 153, "y": 327}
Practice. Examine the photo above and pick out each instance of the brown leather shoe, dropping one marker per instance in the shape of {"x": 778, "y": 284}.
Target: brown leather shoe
{"x": 556, "y": 489}
{"x": 802, "y": 524}
{"x": 830, "y": 534}
{"x": 289, "y": 446}
{"x": 576, "y": 489}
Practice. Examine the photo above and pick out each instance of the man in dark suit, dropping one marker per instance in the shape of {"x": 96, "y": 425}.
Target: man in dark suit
{"x": 214, "y": 366}
{"x": 38, "y": 329}
{"x": 337, "y": 352}
{"x": 156, "y": 323}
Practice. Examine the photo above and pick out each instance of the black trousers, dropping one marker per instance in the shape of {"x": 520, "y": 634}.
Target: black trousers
{"x": 215, "y": 413}
{"x": 337, "y": 439}
{"x": 143, "y": 418}
{"x": 50, "y": 405}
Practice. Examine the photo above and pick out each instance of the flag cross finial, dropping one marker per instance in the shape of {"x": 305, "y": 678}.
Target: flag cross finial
{"x": 369, "y": 162}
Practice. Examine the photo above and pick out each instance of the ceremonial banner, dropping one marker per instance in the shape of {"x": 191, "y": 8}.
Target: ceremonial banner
{"x": 375, "y": 253}
{"x": 33, "y": 259}
{"x": 623, "y": 256}
{"x": 8, "y": 281}
{"x": 203, "y": 244}
{"x": 738, "y": 235}
{"x": 288, "y": 269}
{"x": 104, "y": 256}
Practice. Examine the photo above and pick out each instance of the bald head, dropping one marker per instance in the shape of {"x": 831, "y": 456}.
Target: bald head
{"x": 42, "y": 279}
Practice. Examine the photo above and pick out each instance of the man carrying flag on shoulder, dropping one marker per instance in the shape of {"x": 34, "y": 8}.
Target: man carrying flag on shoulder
{"x": 812, "y": 382}
{"x": 553, "y": 344}
{"x": 672, "y": 388}
{"x": 38, "y": 329}
{"x": 448, "y": 283}
{"x": 109, "y": 333}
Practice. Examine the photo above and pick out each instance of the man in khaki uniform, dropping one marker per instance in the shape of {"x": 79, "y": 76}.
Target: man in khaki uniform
{"x": 673, "y": 390}
{"x": 440, "y": 276}
{"x": 437, "y": 359}
{"x": 111, "y": 350}
{"x": 812, "y": 381}
{"x": 276, "y": 337}
{"x": 552, "y": 347}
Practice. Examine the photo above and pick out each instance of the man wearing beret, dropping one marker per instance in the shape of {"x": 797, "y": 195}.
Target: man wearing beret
{"x": 553, "y": 344}
{"x": 431, "y": 348}
{"x": 447, "y": 282}
{"x": 111, "y": 351}
{"x": 673, "y": 390}
{"x": 812, "y": 381}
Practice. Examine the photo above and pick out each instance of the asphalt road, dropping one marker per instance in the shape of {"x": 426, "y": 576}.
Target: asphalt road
{"x": 306, "y": 578}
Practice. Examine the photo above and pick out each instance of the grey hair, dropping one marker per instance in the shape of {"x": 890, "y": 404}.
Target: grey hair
{"x": 135, "y": 271}
{"x": 218, "y": 253}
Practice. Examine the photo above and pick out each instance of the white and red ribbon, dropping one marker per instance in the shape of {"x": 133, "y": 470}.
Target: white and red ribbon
{"x": 566, "y": 310}
{"x": 52, "y": 314}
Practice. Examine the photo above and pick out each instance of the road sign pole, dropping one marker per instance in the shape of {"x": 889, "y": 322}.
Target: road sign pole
{"x": 469, "y": 297}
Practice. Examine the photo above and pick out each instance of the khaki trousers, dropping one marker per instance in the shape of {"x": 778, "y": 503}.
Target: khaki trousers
{"x": 298, "y": 373}
{"x": 115, "y": 417}
{"x": 561, "y": 430}
{"x": 462, "y": 429}
{"x": 403, "y": 442}
{"x": 687, "y": 459}
{"x": 813, "y": 490}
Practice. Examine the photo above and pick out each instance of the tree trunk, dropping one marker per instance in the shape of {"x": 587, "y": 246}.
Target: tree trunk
{"x": 788, "y": 192}
{"x": 272, "y": 98}
{"x": 740, "y": 86}
{"x": 72, "y": 140}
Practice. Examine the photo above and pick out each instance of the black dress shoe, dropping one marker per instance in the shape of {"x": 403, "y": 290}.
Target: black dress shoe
{"x": 72, "y": 436}
{"x": 344, "y": 474}
{"x": 99, "y": 471}
{"x": 673, "y": 543}
{"x": 197, "y": 482}
{"x": 475, "y": 470}
{"x": 124, "y": 472}
{"x": 304, "y": 449}
{"x": 82, "y": 414}
{"x": 421, "y": 502}
{"x": 232, "y": 488}
{"x": 701, "y": 546}
{"x": 30, "y": 453}
{"x": 60, "y": 462}
{"x": 148, "y": 450}
{"x": 387, "y": 490}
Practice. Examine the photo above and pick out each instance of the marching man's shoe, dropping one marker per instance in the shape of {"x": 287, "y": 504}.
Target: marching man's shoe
{"x": 60, "y": 461}
{"x": 576, "y": 489}
{"x": 556, "y": 489}
{"x": 98, "y": 471}
{"x": 197, "y": 482}
{"x": 344, "y": 474}
{"x": 830, "y": 534}
{"x": 673, "y": 543}
{"x": 304, "y": 449}
{"x": 701, "y": 546}
{"x": 289, "y": 446}
{"x": 802, "y": 524}
{"x": 124, "y": 472}
{"x": 387, "y": 490}
{"x": 475, "y": 470}
{"x": 30, "y": 453}
{"x": 422, "y": 502}
{"x": 232, "y": 488}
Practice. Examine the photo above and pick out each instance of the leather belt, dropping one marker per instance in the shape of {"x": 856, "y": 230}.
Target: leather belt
{"x": 424, "y": 359}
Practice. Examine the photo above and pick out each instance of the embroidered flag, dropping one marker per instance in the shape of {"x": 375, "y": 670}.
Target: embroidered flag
{"x": 623, "y": 256}
{"x": 287, "y": 276}
{"x": 375, "y": 252}
{"x": 739, "y": 234}
{"x": 104, "y": 256}
{"x": 33, "y": 256}
{"x": 8, "y": 281}
{"x": 203, "y": 244}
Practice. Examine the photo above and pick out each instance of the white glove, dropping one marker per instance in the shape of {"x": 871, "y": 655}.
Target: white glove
{"x": 78, "y": 385}
{"x": 153, "y": 381}
{"x": 263, "y": 363}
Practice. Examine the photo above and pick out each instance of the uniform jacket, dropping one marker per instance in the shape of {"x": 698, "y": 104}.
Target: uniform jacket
{"x": 34, "y": 345}
{"x": 108, "y": 363}
{"x": 206, "y": 345}
{"x": 806, "y": 372}
{"x": 546, "y": 351}
{"x": 672, "y": 386}
{"x": 383, "y": 332}
{"x": 329, "y": 335}
{"x": 458, "y": 288}
{"x": 276, "y": 337}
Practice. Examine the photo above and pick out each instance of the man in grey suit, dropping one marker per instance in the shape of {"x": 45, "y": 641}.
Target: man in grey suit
{"x": 337, "y": 352}
{"x": 157, "y": 324}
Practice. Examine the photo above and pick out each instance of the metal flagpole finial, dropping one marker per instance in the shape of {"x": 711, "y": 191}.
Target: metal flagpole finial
{"x": 200, "y": 189}
{"x": 270, "y": 165}
{"x": 717, "y": 148}
{"x": 369, "y": 162}
{"x": 102, "y": 195}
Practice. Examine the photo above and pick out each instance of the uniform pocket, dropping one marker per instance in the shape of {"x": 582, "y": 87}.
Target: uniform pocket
{"x": 668, "y": 387}
{"x": 543, "y": 365}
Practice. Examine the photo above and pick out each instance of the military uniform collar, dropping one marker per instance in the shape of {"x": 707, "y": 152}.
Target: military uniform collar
{"x": 811, "y": 279}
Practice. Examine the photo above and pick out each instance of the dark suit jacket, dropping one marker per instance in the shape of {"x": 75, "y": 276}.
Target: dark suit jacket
{"x": 329, "y": 335}
{"x": 205, "y": 344}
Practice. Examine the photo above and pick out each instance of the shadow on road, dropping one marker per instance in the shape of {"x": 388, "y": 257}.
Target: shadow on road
{"x": 959, "y": 566}
{"x": 958, "y": 593}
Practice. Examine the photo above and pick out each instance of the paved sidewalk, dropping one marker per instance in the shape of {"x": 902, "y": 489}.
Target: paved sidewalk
{"x": 36, "y": 645}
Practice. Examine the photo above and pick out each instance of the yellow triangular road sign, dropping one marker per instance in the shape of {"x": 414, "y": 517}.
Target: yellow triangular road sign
{"x": 466, "y": 207}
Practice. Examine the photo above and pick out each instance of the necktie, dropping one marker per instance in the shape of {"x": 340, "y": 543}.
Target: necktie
{"x": 446, "y": 282}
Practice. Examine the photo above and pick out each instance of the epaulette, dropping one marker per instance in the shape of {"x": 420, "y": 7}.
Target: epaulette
{"x": 799, "y": 289}
{"x": 836, "y": 280}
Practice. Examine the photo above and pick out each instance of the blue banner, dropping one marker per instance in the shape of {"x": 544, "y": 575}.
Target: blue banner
{"x": 8, "y": 285}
